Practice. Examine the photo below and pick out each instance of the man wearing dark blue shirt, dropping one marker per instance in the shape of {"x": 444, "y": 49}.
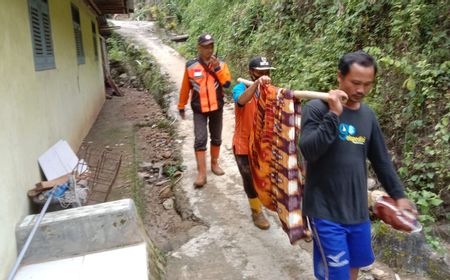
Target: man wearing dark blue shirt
{"x": 336, "y": 140}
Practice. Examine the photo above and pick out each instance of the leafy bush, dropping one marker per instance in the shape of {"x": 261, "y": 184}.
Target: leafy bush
{"x": 143, "y": 13}
{"x": 115, "y": 49}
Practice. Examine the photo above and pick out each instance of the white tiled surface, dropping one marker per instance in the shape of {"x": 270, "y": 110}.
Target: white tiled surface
{"x": 123, "y": 263}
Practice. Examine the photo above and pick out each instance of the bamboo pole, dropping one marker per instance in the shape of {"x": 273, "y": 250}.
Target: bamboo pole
{"x": 299, "y": 94}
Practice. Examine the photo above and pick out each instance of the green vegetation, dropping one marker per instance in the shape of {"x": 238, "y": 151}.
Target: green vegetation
{"x": 408, "y": 254}
{"x": 305, "y": 39}
{"x": 116, "y": 49}
{"x": 142, "y": 12}
{"x": 140, "y": 63}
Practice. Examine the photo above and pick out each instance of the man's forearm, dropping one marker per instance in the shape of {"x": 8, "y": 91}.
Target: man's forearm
{"x": 247, "y": 95}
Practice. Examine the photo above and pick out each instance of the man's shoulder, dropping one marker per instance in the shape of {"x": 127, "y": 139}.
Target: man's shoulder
{"x": 366, "y": 107}
{"x": 367, "y": 110}
{"x": 239, "y": 86}
{"x": 238, "y": 90}
{"x": 317, "y": 104}
{"x": 191, "y": 62}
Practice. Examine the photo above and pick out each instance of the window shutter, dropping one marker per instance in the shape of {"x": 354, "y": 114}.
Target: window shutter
{"x": 47, "y": 35}
{"x": 94, "y": 38}
{"x": 41, "y": 35}
{"x": 78, "y": 34}
{"x": 79, "y": 43}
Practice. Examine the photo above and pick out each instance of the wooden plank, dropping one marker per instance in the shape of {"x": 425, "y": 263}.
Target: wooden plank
{"x": 300, "y": 94}
{"x": 179, "y": 38}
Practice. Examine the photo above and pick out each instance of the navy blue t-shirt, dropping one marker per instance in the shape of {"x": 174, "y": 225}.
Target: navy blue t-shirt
{"x": 336, "y": 149}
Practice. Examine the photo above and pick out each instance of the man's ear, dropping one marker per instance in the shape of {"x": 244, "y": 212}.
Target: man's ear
{"x": 340, "y": 77}
{"x": 252, "y": 75}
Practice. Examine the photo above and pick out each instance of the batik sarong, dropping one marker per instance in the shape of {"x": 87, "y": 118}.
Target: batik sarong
{"x": 275, "y": 160}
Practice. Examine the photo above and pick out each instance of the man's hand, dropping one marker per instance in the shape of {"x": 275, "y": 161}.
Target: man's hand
{"x": 182, "y": 114}
{"x": 405, "y": 204}
{"x": 264, "y": 80}
{"x": 215, "y": 62}
{"x": 334, "y": 101}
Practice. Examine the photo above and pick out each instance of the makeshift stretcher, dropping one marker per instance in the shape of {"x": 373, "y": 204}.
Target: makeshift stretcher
{"x": 276, "y": 164}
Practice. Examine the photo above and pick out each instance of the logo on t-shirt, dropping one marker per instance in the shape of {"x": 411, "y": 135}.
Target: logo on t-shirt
{"x": 347, "y": 132}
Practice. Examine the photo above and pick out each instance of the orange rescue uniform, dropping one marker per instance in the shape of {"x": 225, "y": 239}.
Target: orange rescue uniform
{"x": 245, "y": 116}
{"x": 207, "y": 93}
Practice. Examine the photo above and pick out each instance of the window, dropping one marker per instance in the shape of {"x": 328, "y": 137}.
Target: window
{"x": 77, "y": 32}
{"x": 41, "y": 35}
{"x": 94, "y": 38}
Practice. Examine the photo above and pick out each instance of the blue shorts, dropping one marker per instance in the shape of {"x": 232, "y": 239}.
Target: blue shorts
{"x": 338, "y": 247}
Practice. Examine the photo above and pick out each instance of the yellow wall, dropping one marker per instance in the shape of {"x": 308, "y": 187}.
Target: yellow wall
{"x": 37, "y": 108}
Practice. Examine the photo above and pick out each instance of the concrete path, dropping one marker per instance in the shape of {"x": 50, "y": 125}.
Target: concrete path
{"x": 231, "y": 247}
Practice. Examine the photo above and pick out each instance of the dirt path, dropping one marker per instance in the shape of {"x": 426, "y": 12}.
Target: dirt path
{"x": 230, "y": 247}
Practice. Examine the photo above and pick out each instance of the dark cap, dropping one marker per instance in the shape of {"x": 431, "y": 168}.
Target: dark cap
{"x": 205, "y": 39}
{"x": 260, "y": 63}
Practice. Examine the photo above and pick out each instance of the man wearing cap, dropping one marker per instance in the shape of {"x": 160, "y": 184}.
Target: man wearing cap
{"x": 245, "y": 99}
{"x": 203, "y": 81}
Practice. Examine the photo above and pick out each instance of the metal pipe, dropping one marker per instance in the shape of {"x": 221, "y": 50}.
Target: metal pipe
{"x": 30, "y": 237}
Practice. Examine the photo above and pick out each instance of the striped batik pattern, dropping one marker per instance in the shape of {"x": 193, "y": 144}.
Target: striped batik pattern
{"x": 277, "y": 166}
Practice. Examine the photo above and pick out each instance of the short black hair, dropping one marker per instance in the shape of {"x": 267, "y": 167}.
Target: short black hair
{"x": 358, "y": 57}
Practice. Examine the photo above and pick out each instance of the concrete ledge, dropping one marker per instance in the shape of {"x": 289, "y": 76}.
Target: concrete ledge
{"x": 79, "y": 231}
{"x": 123, "y": 263}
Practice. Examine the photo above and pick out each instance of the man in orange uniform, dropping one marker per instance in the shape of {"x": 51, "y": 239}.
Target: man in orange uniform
{"x": 245, "y": 107}
{"x": 204, "y": 80}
